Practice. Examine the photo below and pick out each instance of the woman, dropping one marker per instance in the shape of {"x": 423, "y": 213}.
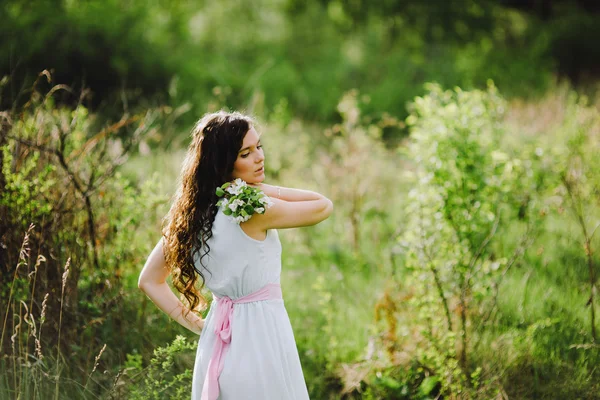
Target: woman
{"x": 246, "y": 348}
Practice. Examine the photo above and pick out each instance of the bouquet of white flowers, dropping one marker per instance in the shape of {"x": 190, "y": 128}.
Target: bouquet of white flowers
{"x": 239, "y": 201}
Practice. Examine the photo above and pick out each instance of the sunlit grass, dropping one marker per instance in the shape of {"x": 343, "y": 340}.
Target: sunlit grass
{"x": 537, "y": 343}
{"x": 159, "y": 166}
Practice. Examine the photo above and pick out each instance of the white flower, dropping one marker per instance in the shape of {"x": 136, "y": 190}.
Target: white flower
{"x": 237, "y": 196}
{"x": 240, "y": 218}
{"x": 234, "y": 189}
{"x": 239, "y": 182}
{"x": 266, "y": 201}
{"x": 235, "y": 204}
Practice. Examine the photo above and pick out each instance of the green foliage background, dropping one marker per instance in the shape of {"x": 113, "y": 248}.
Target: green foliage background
{"x": 308, "y": 53}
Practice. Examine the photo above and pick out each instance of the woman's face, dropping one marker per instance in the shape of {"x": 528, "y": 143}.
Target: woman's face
{"x": 250, "y": 162}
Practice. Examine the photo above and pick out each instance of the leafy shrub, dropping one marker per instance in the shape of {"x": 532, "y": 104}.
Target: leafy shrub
{"x": 59, "y": 173}
{"x": 465, "y": 188}
{"x": 169, "y": 374}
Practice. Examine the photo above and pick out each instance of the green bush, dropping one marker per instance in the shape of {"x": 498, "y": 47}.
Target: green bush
{"x": 59, "y": 176}
{"x": 169, "y": 374}
{"x": 514, "y": 318}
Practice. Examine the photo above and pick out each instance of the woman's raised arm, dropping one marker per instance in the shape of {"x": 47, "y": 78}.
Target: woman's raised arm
{"x": 292, "y": 214}
{"x": 288, "y": 194}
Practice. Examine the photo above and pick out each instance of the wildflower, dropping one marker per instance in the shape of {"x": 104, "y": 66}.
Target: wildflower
{"x": 266, "y": 201}
{"x": 239, "y": 201}
{"x": 234, "y": 190}
{"x": 237, "y": 187}
{"x": 239, "y": 182}
{"x": 235, "y": 204}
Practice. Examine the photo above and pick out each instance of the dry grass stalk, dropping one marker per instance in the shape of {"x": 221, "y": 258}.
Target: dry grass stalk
{"x": 116, "y": 382}
{"x": 32, "y": 276}
{"x": 38, "y": 345}
{"x": 62, "y": 295}
{"x": 96, "y": 362}
{"x": 23, "y": 256}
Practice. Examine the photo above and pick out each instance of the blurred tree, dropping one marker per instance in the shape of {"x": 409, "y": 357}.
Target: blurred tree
{"x": 574, "y": 30}
{"x": 135, "y": 52}
{"x": 460, "y": 20}
{"x": 573, "y": 26}
{"x": 546, "y": 9}
{"x": 105, "y": 45}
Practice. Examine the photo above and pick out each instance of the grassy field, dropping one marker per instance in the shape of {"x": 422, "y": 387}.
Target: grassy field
{"x": 366, "y": 312}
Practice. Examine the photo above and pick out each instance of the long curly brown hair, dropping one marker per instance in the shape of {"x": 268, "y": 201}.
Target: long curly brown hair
{"x": 187, "y": 227}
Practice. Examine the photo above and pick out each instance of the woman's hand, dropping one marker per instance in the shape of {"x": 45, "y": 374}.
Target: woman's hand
{"x": 199, "y": 326}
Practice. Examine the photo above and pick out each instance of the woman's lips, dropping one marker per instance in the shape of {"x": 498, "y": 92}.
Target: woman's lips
{"x": 261, "y": 169}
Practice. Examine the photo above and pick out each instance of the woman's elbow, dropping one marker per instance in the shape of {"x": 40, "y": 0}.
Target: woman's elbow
{"x": 328, "y": 208}
{"x": 142, "y": 283}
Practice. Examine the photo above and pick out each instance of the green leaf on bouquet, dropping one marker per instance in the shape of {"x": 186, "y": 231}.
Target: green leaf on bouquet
{"x": 220, "y": 192}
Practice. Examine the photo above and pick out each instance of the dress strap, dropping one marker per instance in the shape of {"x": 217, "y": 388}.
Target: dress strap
{"x": 224, "y": 313}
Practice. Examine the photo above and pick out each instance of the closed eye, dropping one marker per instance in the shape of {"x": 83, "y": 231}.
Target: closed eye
{"x": 247, "y": 154}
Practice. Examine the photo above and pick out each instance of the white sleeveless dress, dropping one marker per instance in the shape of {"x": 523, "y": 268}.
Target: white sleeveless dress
{"x": 261, "y": 361}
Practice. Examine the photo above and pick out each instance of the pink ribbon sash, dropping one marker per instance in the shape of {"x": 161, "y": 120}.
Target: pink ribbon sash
{"x": 224, "y": 313}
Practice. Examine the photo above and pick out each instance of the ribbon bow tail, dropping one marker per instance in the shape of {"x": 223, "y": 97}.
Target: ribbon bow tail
{"x": 210, "y": 390}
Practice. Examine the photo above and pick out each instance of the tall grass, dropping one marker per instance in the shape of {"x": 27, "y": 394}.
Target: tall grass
{"x": 345, "y": 281}
{"x": 59, "y": 169}
{"x": 28, "y": 373}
